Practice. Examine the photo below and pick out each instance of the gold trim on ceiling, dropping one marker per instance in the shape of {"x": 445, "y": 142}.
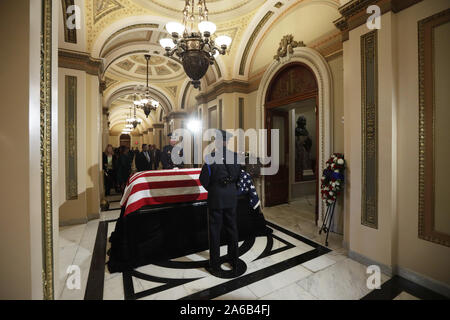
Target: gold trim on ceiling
{"x": 128, "y": 28}
{"x": 210, "y": 13}
{"x": 104, "y": 7}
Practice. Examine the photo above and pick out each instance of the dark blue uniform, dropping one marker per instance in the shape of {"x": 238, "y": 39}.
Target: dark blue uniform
{"x": 222, "y": 202}
{"x": 166, "y": 158}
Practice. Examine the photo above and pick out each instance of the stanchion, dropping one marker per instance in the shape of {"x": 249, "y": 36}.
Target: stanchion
{"x": 328, "y": 217}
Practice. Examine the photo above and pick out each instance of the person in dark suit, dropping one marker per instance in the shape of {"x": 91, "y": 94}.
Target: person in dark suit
{"x": 123, "y": 168}
{"x": 219, "y": 178}
{"x": 157, "y": 156}
{"x": 166, "y": 155}
{"x": 144, "y": 159}
{"x": 109, "y": 164}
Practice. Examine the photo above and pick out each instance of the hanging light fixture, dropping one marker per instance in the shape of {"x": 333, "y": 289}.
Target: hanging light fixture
{"x": 196, "y": 49}
{"x": 147, "y": 104}
{"x": 134, "y": 121}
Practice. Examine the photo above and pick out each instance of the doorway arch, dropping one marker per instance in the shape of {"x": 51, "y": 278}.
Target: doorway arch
{"x": 292, "y": 93}
{"x": 322, "y": 73}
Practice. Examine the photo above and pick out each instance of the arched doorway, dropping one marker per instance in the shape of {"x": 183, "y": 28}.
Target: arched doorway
{"x": 321, "y": 70}
{"x": 291, "y": 106}
{"x": 125, "y": 140}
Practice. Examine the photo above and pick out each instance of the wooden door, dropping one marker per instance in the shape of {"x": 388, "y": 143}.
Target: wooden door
{"x": 277, "y": 186}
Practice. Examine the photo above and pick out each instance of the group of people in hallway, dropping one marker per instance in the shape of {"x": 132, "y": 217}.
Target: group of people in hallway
{"x": 118, "y": 164}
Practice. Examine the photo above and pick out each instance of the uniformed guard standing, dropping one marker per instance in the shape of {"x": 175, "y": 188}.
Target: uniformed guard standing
{"x": 166, "y": 154}
{"x": 219, "y": 179}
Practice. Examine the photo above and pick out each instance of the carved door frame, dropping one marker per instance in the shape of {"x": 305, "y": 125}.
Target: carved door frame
{"x": 317, "y": 63}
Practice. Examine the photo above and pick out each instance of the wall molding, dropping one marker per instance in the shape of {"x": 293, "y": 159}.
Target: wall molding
{"x": 71, "y": 137}
{"x": 175, "y": 115}
{"x": 79, "y": 61}
{"x": 410, "y": 275}
{"x": 387, "y": 270}
{"x": 158, "y": 126}
{"x": 46, "y": 58}
{"x": 369, "y": 129}
{"x": 354, "y": 12}
{"x": 228, "y": 86}
{"x": 427, "y": 129}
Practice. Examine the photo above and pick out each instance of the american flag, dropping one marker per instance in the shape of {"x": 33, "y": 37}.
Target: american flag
{"x": 162, "y": 186}
{"x": 245, "y": 186}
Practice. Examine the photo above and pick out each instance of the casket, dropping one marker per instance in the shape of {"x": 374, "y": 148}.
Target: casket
{"x": 164, "y": 216}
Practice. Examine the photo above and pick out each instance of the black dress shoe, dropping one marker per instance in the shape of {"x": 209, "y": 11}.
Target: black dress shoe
{"x": 213, "y": 270}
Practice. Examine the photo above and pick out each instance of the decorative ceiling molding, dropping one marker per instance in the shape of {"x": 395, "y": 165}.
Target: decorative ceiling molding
{"x": 354, "y": 12}
{"x": 126, "y": 29}
{"x": 121, "y": 56}
{"x": 287, "y": 45}
{"x": 70, "y": 35}
{"x": 104, "y": 7}
{"x": 172, "y": 90}
{"x": 183, "y": 99}
{"x": 79, "y": 61}
{"x": 131, "y": 89}
{"x": 252, "y": 39}
{"x": 109, "y": 82}
{"x": 328, "y": 45}
{"x": 219, "y": 9}
{"x": 219, "y": 73}
{"x": 278, "y": 5}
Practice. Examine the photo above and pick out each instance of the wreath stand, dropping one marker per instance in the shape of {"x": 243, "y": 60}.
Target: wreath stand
{"x": 328, "y": 218}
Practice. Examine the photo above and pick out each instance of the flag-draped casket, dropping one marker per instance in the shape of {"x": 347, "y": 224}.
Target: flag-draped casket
{"x": 164, "y": 216}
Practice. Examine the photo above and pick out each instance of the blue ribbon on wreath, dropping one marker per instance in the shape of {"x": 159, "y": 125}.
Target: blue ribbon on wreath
{"x": 330, "y": 174}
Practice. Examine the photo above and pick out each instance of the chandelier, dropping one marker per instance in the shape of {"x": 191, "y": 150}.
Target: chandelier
{"x": 147, "y": 104}
{"x": 133, "y": 121}
{"x": 196, "y": 49}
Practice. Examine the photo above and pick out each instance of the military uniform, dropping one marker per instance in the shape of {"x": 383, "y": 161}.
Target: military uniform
{"x": 166, "y": 157}
{"x": 222, "y": 202}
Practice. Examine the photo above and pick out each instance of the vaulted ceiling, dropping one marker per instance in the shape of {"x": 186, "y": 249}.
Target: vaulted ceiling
{"x": 120, "y": 32}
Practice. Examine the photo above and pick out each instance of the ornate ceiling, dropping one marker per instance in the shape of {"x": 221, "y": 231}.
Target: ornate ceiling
{"x": 219, "y": 10}
{"x": 121, "y": 31}
{"x": 133, "y": 67}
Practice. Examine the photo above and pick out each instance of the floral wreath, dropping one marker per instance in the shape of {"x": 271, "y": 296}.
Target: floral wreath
{"x": 332, "y": 180}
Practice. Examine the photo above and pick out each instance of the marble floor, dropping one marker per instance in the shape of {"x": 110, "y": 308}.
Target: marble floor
{"x": 290, "y": 264}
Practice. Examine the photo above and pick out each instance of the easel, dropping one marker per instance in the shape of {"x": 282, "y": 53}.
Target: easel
{"x": 328, "y": 217}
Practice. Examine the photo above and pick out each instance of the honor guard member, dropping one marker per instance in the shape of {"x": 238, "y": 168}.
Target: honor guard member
{"x": 166, "y": 154}
{"x": 218, "y": 176}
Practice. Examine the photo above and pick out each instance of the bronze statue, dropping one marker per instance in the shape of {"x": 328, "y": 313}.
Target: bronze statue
{"x": 303, "y": 144}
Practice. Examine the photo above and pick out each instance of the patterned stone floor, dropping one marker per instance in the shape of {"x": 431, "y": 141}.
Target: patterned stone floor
{"x": 291, "y": 264}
